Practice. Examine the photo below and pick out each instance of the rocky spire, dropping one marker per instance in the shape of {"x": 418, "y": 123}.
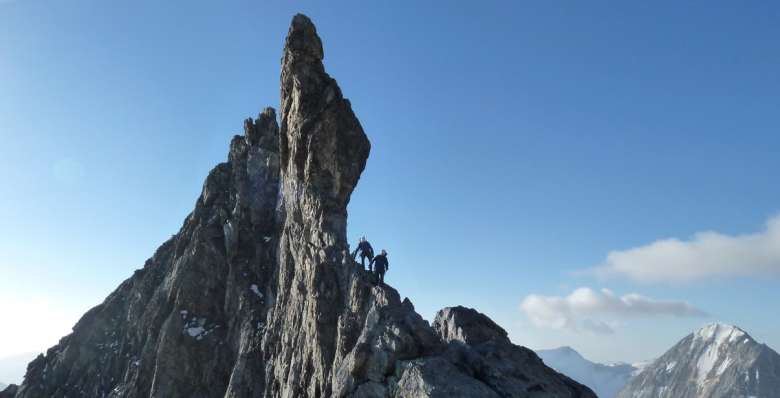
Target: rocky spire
{"x": 257, "y": 295}
{"x": 323, "y": 152}
{"x": 323, "y": 146}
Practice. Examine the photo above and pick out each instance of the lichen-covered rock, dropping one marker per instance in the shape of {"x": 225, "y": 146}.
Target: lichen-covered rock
{"x": 257, "y": 295}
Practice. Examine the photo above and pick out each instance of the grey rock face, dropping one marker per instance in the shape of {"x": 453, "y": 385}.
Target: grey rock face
{"x": 717, "y": 361}
{"x": 437, "y": 378}
{"x": 257, "y": 295}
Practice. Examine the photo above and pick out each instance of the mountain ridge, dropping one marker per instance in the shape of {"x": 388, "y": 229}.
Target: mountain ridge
{"x": 604, "y": 379}
{"x": 257, "y": 293}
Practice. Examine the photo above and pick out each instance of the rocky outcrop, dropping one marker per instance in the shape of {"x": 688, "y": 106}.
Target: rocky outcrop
{"x": 467, "y": 326}
{"x": 481, "y": 350}
{"x": 257, "y": 294}
{"x": 716, "y": 361}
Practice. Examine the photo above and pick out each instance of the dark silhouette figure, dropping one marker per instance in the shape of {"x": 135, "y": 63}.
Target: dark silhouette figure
{"x": 365, "y": 250}
{"x": 382, "y": 265}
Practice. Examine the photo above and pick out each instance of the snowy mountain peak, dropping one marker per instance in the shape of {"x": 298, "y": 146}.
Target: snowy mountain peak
{"x": 711, "y": 346}
{"x": 720, "y": 333}
{"x": 716, "y": 361}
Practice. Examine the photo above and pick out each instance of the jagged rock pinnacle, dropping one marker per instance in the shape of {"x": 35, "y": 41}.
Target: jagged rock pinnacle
{"x": 323, "y": 152}
{"x": 263, "y": 131}
{"x": 323, "y": 147}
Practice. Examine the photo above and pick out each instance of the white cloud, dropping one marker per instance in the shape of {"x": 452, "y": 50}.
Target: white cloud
{"x": 705, "y": 255}
{"x": 595, "y": 311}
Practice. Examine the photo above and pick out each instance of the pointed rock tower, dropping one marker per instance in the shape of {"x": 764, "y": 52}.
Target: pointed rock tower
{"x": 257, "y": 295}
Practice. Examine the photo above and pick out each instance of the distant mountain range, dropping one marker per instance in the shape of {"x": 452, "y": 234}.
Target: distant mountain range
{"x": 605, "y": 380}
{"x": 717, "y": 361}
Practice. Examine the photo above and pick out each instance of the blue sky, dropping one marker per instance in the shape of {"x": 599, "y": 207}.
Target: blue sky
{"x": 514, "y": 146}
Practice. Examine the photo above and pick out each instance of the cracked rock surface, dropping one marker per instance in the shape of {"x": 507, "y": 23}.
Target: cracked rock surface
{"x": 257, "y": 295}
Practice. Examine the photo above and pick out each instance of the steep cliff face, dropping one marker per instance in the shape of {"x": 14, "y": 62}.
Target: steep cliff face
{"x": 257, "y": 295}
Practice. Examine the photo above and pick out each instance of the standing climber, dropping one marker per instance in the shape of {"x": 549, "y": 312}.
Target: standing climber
{"x": 382, "y": 265}
{"x": 365, "y": 250}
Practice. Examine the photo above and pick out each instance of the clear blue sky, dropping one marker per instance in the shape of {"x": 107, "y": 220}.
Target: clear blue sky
{"x": 513, "y": 147}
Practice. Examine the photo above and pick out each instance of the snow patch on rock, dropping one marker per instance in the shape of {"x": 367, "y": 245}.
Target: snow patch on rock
{"x": 256, "y": 290}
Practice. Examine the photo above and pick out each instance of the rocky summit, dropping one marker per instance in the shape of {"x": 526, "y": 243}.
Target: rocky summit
{"x": 257, "y": 294}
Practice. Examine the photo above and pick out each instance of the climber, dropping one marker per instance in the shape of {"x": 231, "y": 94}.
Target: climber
{"x": 365, "y": 250}
{"x": 382, "y": 265}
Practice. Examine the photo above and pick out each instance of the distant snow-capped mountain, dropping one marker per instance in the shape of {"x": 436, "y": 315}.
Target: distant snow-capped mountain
{"x": 717, "y": 361}
{"x": 2, "y": 386}
{"x": 604, "y": 380}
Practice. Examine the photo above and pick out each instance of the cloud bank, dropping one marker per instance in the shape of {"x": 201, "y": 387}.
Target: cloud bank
{"x": 705, "y": 255}
{"x": 595, "y": 311}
